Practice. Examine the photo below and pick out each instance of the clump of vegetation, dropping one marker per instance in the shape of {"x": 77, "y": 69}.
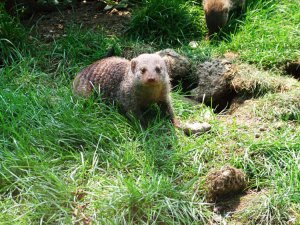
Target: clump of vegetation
{"x": 13, "y": 36}
{"x": 167, "y": 21}
{"x": 251, "y": 81}
{"x": 79, "y": 46}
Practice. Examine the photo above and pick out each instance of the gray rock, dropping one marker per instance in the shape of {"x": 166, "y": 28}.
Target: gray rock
{"x": 196, "y": 128}
{"x": 179, "y": 67}
{"x": 214, "y": 86}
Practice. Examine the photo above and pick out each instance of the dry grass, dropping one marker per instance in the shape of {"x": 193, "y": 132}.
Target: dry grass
{"x": 254, "y": 82}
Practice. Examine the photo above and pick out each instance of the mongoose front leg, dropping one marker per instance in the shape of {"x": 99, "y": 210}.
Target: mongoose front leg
{"x": 167, "y": 110}
{"x": 137, "y": 114}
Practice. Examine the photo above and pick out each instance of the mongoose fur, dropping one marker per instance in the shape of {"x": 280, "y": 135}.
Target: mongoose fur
{"x": 217, "y": 12}
{"x": 134, "y": 85}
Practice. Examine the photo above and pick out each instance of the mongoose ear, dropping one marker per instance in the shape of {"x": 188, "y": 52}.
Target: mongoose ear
{"x": 166, "y": 59}
{"x": 167, "y": 63}
{"x": 133, "y": 65}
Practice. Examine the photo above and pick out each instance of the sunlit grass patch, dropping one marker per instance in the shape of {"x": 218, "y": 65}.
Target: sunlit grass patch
{"x": 273, "y": 164}
{"x": 167, "y": 21}
{"x": 269, "y": 35}
{"x": 273, "y": 107}
{"x": 253, "y": 82}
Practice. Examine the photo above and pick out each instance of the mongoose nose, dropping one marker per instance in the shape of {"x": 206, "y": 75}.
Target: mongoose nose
{"x": 151, "y": 80}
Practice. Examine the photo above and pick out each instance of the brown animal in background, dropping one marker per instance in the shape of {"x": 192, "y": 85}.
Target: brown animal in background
{"x": 134, "y": 85}
{"x": 217, "y": 13}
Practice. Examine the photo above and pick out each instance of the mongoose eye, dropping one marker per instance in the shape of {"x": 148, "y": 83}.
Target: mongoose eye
{"x": 158, "y": 69}
{"x": 143, "y": 70}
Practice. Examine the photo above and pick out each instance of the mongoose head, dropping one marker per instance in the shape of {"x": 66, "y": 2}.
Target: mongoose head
{"x": 216, "y": 15}
{"x": 149, "y": 70}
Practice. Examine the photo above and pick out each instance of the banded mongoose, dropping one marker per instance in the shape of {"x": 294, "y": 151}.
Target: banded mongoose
{"x": 217, "y": 13}
{"x": 134, "y": 85}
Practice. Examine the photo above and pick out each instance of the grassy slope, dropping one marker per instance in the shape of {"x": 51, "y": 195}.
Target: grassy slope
{"x": 63, "y": 159}
{"x": 270, "y": 33}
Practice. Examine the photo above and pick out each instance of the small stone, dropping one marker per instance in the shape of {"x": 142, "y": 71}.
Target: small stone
{"x": 193, "y": 44}
{"x": 278, "y": 125}
{"x": 257, "y": 135}
{"x": 60, "y": 26}
{"x": 262, "y": 129}
{"x": 196, "y": 128}
{"x": 218, "y": 218}
{"x": 217, "y": 209}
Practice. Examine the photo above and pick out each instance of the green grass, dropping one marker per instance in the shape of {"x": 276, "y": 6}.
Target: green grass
{"x": 65, "y": 159}
{"x": 270, "y": 33}
{"x": 267, "y": 35}
{"x": 14, "y": 39}
{"x": 165, "y": 21}
{"x": 278, "y": 163}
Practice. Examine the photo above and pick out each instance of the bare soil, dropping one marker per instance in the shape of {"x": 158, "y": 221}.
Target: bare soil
{"x": 90, "y": 15}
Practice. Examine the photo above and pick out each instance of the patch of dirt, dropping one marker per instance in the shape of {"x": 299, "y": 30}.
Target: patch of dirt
{"x": 258, "y": 117}
{"x": 232, "y": 206}
{"x": 282, "y": 103}
{"x": 231, "y": 56}
{"x": 79, "y": 214}
{"x": 242, "y": 112}
{"x": 228, "y": 181}
{"x": 90, "y": 15}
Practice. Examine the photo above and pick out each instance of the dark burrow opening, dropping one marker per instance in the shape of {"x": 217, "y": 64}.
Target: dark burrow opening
{"x": 293, "y": 68}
